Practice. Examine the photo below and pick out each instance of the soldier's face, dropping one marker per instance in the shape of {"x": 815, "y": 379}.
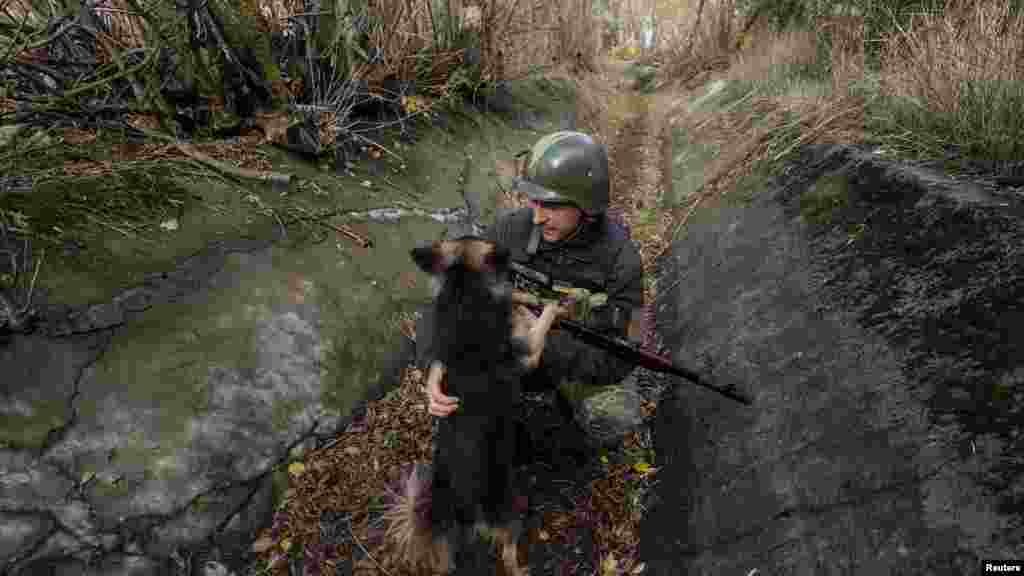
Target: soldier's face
{"x": 559, "y": 221}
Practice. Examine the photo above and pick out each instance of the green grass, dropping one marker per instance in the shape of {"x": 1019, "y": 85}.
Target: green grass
{"x": 986, "y": 123}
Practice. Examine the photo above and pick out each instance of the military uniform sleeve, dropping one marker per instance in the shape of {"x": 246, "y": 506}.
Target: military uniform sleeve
{"x": 567, "y": 359}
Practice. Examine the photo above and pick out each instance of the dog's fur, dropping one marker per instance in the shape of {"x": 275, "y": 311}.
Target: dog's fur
{"x": 483, "y": 349}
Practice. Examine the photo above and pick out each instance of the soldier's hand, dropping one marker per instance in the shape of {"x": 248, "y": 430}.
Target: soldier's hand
{"x": 438, "y": 403}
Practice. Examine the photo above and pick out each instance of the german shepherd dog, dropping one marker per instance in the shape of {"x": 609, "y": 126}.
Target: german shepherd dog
{"x": 484, "y": 349}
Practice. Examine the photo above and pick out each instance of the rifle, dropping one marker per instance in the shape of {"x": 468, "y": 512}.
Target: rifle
{"x": 536, "y": 282}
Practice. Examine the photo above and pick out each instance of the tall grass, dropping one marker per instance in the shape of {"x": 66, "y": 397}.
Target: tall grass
{"x": 953, "y": 82}
{"x": 694, "y": 36}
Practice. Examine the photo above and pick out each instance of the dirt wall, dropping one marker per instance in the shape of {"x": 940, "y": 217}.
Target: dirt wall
{"x": 873, "y": 311}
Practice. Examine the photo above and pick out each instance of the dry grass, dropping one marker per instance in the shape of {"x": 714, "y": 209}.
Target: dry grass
{"x": 766, "y": 53}
{"x": 956, "y": 81}
{"x": 695, "y": 36}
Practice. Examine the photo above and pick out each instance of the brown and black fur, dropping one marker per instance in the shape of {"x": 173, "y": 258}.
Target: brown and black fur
{"x": 472, "y": 484}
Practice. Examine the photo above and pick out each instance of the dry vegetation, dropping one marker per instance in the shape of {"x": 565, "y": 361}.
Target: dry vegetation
{"x": 955, "y": 82}
{"x": 946, "y": 81}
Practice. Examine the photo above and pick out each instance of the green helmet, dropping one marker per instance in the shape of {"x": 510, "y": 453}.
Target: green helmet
{"x": 568, "y": 167}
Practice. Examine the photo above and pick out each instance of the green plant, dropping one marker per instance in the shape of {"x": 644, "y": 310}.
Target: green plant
{"x": 821, "y": 201}
{"x": 942, "y": 94}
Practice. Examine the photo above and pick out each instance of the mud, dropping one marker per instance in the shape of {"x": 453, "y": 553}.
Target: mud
{"x": 879, "y": 334}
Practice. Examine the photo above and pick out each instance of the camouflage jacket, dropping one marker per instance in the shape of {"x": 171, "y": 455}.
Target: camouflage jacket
{"x": 601, "y": 257}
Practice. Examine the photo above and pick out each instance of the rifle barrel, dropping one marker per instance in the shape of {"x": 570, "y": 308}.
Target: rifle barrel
{"x": 631, "y": 353}
{"x": 617, "y": 346}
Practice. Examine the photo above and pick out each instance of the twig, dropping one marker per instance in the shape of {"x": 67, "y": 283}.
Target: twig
{"x": 365, "y": 551}
{"x": 813, "y": 132}
{"x": 101, "y": 222}
{"x": 363, "y": 242}
{"x": 675, "y": 229}
{"x": 106, "y": 81}
{"x": 284, "y": 229}
{"x": 372, "y": 143}
{"x": 190, "y": 151}
{"x": 13, "y": 47}
{"x": 32, "y": 284}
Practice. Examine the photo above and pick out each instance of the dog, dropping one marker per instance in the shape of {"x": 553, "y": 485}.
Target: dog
{"x": 483, "y": 342}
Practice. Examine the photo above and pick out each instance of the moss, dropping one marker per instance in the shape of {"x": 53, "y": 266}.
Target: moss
{"x": 820, "y": 202}
{"x": 279, "y": 483}
{"x": 70, "y": 208}
{"x": 283, "y": 412}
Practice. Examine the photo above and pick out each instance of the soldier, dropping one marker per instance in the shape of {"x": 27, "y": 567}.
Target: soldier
{"x": 565, "y": 232}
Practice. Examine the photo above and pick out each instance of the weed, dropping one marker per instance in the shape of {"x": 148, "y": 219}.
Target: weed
{"x": 942, "y": 94}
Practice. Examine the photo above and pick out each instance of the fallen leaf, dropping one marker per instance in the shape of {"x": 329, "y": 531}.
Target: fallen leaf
{"x": 609, "y": 565}
{"x": 274, "y": 561}
{"x": 262, "y": 545}
{"x": 296, "y": 468}
{"x": 352, "y": 450}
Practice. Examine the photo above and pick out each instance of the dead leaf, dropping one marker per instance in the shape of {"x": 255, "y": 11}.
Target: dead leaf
{"x": 609, "y": 565}
{"x": 274, "y": 561}
{"x": 644, "y": 468}
{"x": 262, "y": 545}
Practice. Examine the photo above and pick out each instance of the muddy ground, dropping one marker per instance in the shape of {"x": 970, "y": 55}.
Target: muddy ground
{"x": 873, "y": 310}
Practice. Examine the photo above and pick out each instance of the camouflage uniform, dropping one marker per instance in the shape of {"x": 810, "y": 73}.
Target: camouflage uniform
{"x": 599, "y": 257}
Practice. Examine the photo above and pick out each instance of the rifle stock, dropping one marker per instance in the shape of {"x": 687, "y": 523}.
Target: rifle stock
{"x": 620, "y": 347}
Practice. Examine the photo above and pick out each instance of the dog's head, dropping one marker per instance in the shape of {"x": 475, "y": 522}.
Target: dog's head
{"x": 466, "y": 256}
